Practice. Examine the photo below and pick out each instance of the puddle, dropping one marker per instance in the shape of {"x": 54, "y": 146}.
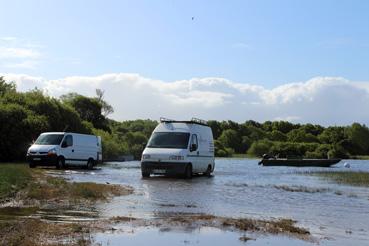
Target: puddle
{"x": 202, "y": 236}
{"x": 66, "y": 216}
{"x": 8, "y": 213}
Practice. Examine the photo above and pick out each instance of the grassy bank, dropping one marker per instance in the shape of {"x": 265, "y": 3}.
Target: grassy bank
{"x": 25, "y": 192}
{"x": 13, "y": 178}
{"x": 17, "y": 180}
{"x": 346, "y": 177}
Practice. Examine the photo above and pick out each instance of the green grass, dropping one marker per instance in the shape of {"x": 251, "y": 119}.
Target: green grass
{"x": 35, "y": 184}
{"x": 360, "y": 157}
{"x": 347, "y": 177}
{"x": 13, "y": 177}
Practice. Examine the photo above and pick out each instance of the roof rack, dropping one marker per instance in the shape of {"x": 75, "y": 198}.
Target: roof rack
{"x": 163, "y": 119}
{"x": 193, "y": 121}
{"x": 197, "y": 120}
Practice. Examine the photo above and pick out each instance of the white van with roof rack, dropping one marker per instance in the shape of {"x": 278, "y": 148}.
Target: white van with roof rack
{"x": 179, "y": 147}
{"x": 65, "y": 148}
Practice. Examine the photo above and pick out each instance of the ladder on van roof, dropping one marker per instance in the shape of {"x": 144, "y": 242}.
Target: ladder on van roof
{"x": 193, "y": 121}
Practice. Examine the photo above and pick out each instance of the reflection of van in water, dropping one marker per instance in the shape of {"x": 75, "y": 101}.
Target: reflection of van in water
{"x": 179, "y": 147}
{"x": 62, "y": 148}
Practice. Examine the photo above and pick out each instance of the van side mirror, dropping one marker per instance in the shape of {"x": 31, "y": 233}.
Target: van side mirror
{"x": 193, "y": 147}
{"x": 64, "y": 145}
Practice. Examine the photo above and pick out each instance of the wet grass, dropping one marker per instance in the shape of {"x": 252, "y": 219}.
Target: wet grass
{"x": 279, "y": 226}
{"x": 31, "y": 190}
{"x": 32, "y": 232}
{"x": 13, "y": 178}
{"x": 345, "y": 177}
{"x": 300, "y": 189}
{"x": 49, "y": 188}
{"x": 35, "y": 184}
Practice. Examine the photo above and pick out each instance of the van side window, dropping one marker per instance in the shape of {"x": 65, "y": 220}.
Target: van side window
{"x": 194, "y": 142}
{"x": 69, "y": 140}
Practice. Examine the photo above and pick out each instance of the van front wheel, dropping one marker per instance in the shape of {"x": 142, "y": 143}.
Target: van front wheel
{"x": 60, "y": 163}
{"x": 188, "y": 172}
{"x": 145, "y": 174}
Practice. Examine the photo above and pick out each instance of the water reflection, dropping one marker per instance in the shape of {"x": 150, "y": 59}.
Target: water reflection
{"x": 241, "y": 188}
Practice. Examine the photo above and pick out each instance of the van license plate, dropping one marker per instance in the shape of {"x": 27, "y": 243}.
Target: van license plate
{"x": 159, "y": 171}
{"x": 37, "y": 159}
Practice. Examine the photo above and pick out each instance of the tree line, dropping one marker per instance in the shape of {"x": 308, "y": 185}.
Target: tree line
{"x": 24, "y": 115}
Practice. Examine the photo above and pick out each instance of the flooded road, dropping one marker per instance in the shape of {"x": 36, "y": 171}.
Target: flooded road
{"x": 334, "y": 214}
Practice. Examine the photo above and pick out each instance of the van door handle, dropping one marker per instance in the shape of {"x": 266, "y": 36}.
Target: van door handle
{"x": 72, "y": 150}
{"x": 198, "y": 152}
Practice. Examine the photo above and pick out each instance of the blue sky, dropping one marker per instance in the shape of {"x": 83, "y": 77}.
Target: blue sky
{"x": 260, "y": 42}
{"x": 302, "y": 61}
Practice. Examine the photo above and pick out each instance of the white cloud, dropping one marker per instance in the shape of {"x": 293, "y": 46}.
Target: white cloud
{"x": 28, "y": 64}
{"x": 8, "y": 39}
{"x": 323, "y": 100}
{"x": 19, "y": 54}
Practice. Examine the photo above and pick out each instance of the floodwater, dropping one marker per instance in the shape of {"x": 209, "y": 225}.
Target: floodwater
{"x": 334, "y": 214}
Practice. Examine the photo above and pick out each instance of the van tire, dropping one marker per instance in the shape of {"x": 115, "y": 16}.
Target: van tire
{"x": 90, "y": 164}
{"x": 188, "y": 172}
{"x": 32, "y": 165}
{"x": 145, "y": 174}
{"x": 60, "y": 163}
{"x": 207, "y": 173}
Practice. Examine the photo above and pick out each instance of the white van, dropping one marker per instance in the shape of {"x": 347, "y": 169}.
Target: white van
{"x": 179, "y": 147}
{"x": 65, "y": 148}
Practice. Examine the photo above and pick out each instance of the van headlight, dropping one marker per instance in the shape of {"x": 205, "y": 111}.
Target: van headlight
{"x": 176, "y": 157}
{"x": 51, "y": 152}
{"x": 145, "y": 157}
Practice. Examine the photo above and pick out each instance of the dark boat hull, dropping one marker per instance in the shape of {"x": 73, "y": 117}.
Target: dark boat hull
{"x": 299, "y": 162}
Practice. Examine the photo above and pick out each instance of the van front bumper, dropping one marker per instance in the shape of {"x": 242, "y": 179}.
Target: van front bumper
{"x": 42, "y": 160}
{"x": 167, "y": 168}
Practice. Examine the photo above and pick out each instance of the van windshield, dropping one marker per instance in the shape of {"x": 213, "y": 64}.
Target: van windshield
{"x": 49, "y": 139}
{"x": 171, "y": 140}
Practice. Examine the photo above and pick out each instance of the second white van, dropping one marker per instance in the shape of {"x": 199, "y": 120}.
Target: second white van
{"x": 179, "y": 147}
{"x": 65, "y": 148}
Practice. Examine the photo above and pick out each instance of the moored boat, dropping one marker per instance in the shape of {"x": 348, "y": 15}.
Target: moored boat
{"x": 298, "y": 162}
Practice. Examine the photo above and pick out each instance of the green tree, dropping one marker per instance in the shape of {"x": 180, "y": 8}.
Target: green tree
{"x": 359, "y": 136}
{"x": 230, "y": 139}
{"x": 300, "y": 136}
{"x": 106, "y": 108}
{"x": 260, "y": 147}
{"x": 89, "y": 109}
{"x": 276, "y": 135}
{"x": 6, "y": 87}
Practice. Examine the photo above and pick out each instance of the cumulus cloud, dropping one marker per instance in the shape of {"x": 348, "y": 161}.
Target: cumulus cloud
{"x": 322, "y": 100}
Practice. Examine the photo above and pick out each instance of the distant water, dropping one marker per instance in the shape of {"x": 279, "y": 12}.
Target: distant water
{"x": 241, "y": 188}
